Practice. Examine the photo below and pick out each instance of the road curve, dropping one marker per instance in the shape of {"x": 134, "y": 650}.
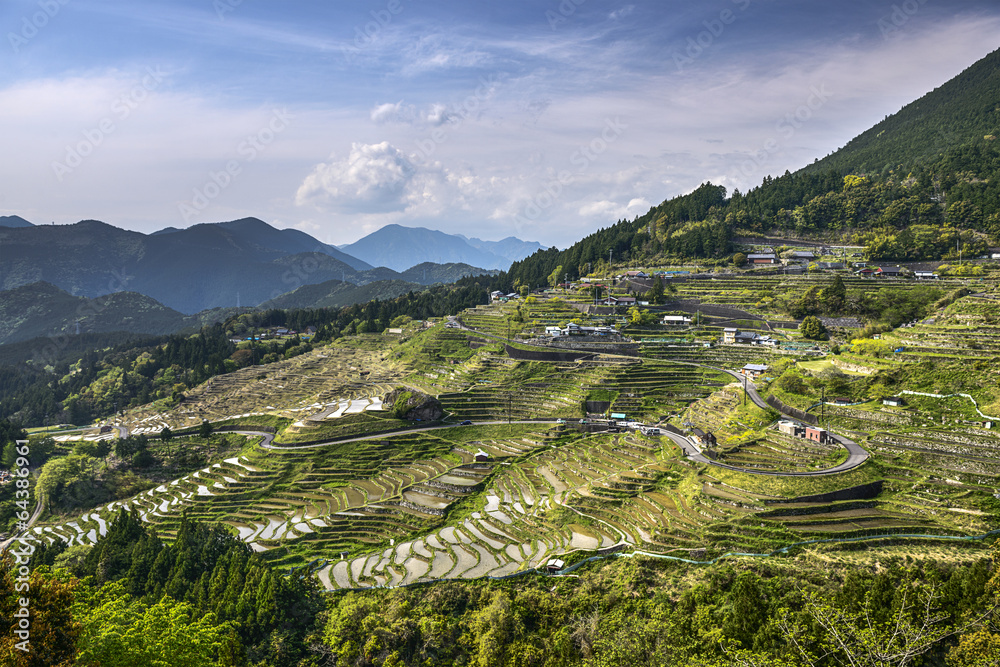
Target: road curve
{"x": 856, "y": 454}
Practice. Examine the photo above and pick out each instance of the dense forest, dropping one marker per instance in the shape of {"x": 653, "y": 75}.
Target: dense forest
{"x": 205, "y": 599}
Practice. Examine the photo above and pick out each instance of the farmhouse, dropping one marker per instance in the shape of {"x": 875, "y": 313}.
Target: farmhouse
{"x": 676, "y": 320}
{"x": 794, "y": 429}
{"x": 703, "y": 438}
{"x": 762, "y": 258}
{"x": 817, "y": 434}
{"x": 889, "y": 271}
{"x": 619, "y": 301}
{"x": 803, "y": 255}
{"x": 840, "y": 400}
{"x": 926, "y": 275}
{"x": 482, "y": 457}
{"x": 894, "y": 401}
{"x": 754, "y": 370}
{"x": 729, "y": 335}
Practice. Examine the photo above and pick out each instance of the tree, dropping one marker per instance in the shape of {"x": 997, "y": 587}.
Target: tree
{"x": 121, "y": 631}
{"x": 524, "y": 290}
{"x": 205, "y": 430}
{"x": 655, "y": 294}
{"x": 166, "y": 434}
{"x": 739, "y": 259}
{"x": 812, "y": 329}
{"x": 554, "y": 276}
{"x": 53, "y": 630}
{"x": 862, "y": 639}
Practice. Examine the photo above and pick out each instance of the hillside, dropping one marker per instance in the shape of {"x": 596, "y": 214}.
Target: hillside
{"x": 429, "y": 273}
{"x": 965, "y": 110}
{"x": 400, "y": 248}
{"x": 337, "y": 294}
{"x": 922, "y": 185}
{"x": 244, "y": 262}
{"x": 14, "y": 221}
{"x": 41, "y": 309}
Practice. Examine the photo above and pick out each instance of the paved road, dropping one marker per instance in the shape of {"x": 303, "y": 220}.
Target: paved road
{"x": 856, "y": 455}
{"x": 266, "y": 443}
{"x": 31, "y": 522}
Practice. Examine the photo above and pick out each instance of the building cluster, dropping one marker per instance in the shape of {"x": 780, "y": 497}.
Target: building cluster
{"x": 574, "y": 329}
{"x": 275, "y": 333}
{"x": 733, "y": 336}
{"x": 797, "y": 430}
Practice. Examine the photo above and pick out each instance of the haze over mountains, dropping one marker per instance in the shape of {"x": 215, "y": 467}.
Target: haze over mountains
{"x": 242, "y": 262}
{"x": 399, "y": 248}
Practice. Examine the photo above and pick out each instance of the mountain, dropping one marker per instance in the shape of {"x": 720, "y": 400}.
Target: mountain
{"x": 924, "y": 184}
{"x": 243, "y": 262}
{"x": 964, "y": 110}
{"x": 42, "y": 309}
{"x": 429, "y": 273}
{"x": 336, "y": 294}
{"x": 400, "y": 248}
{"x": 510, "y": 248}
{"x": 14, "y": 221}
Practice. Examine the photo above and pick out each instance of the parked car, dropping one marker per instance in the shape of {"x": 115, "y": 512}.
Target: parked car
{"x": 466, "y": 423}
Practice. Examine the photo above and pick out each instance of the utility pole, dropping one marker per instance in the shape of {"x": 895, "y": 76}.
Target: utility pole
{"x": 822, "y": 409}
{"x": 744, "y": 388}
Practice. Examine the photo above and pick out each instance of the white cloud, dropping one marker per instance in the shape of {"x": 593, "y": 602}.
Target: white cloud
{"x": 394, "y": 113}
{"x": 372, "y": 178}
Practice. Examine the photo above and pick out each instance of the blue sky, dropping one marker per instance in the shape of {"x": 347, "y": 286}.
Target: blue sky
{"x": 545, "y": 119}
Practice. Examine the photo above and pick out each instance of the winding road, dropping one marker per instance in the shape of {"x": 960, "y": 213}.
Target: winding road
{"x": 856, "y": 455}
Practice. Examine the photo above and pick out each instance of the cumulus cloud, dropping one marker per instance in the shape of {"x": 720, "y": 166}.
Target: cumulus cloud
{"x": 373, "y": 178}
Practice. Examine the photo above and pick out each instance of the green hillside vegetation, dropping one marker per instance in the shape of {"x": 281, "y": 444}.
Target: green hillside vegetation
{"x": 337, "y": 294}
{"x": 277, "y": 502}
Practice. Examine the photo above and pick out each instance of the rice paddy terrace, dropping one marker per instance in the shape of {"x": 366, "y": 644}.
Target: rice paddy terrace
{"x": 390, "y": 509}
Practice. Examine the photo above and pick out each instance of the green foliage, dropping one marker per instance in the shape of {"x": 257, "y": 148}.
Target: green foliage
{"x": 121, "y": 631}
{"x": 812, "y": 329}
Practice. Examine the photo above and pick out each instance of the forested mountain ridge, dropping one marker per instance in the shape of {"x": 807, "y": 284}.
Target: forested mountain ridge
{"x": 964, "y": 110}
{"x": 239, "y": 263}
{"x": 922, "y": 184}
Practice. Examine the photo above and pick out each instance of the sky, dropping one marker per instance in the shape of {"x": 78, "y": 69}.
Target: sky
{"x": 541, "y": 119}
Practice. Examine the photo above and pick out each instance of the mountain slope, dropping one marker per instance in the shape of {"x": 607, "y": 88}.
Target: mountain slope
{"x": 511, "y": 248}
{"x": 42, "y": 309}
{"x": 429, "y": 273}
{"x": 14, "y": 221}
{"x": 963, "y": 110}
{"x": 336, "y": 294}
{"x": 400, "y": 248}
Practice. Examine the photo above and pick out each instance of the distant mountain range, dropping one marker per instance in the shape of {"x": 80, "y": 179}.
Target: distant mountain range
{"x": 399, "y": 248}
{"x": 42, "y": 309}
{"x": 14, "y": 221}
{"x": 243, "y": 262}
